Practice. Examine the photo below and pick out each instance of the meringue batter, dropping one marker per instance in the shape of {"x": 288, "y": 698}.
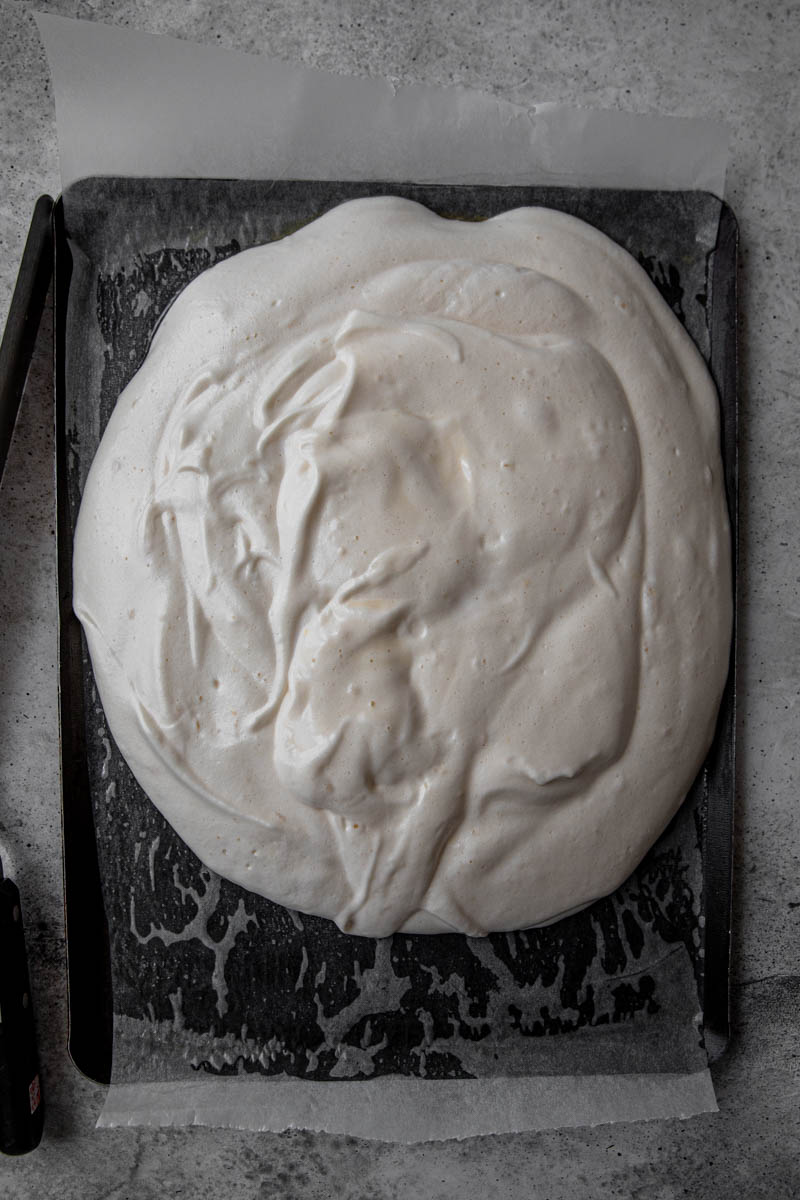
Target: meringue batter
{"x": 404, "y": 565}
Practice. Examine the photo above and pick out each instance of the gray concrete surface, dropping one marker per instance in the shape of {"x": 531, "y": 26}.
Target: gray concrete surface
{"x": 730, "y": 59}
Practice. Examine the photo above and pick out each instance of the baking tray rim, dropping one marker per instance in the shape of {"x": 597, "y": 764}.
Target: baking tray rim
{"x": 90, "y": 1014}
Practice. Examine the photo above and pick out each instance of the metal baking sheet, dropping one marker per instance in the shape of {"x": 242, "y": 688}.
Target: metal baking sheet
{"x": 205, "y": 977}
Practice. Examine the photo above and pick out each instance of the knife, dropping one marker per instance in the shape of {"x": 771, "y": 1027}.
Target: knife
{"x": 21, "y": 1106}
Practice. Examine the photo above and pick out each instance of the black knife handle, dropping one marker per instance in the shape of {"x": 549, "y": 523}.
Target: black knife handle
{"x": 21, "y": 1107}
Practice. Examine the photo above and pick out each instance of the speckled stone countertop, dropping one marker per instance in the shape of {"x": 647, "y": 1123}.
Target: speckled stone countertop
{"x": 733, "y": 60}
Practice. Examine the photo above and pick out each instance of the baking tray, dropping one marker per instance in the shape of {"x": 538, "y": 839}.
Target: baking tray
{"x": 124, "y": 248}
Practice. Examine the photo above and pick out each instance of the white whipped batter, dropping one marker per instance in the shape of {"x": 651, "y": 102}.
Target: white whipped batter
{"x": 404, "y": 565}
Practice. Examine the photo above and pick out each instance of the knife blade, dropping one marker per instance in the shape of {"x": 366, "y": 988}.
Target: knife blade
{"x": 21, "y": 1106}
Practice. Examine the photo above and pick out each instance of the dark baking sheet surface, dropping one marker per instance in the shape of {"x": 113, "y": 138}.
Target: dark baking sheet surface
{"x": 208, "y": 977}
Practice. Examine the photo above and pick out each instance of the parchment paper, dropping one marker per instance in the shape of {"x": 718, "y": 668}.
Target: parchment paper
{"x": 130, "y": 103}
{"x": 525, "y": 1046}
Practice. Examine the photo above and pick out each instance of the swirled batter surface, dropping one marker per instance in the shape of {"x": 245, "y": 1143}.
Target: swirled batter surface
{"x": 404, "y": 566}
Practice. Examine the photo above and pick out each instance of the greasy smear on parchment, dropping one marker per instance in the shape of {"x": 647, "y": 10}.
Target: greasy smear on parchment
{"x": 249, "y": 986}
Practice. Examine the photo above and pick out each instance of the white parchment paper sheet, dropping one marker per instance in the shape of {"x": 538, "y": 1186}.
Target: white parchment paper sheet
{"x": 411, "y": 1110}
{"x": 129, "y": 103}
